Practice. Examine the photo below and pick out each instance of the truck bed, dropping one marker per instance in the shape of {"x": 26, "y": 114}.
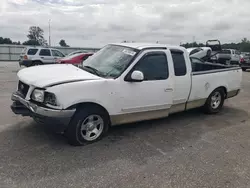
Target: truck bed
{"x": 208, "y": 76}
{"x": 211, "y": 67}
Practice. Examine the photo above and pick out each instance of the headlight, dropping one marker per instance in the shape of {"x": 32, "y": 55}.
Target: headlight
{"x": 50, "y": 98}
{"x": 38, "y": 95}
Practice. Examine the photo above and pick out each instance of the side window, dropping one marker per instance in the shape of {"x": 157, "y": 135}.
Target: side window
{"x": 180, "y": 68}
{"x": 60, "y": 53}
{"x": 56, "y": 53}
{"x": 153, "y": 66}
{"x": 32, "y": 51}
{"x": 45, "y": 52}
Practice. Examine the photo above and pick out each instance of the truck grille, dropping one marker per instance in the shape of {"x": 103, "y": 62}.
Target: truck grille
{"x": 23, "y": 88}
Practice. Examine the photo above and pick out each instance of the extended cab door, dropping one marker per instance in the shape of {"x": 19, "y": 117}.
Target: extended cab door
{"x": 152, "y": 97}
{"x": 182, "y": 79}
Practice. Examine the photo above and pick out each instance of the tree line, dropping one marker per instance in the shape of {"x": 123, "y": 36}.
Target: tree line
{"x": 35, "y": 38}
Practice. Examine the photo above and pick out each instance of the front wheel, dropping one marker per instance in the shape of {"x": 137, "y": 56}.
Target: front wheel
{"x": 244, "y": 69}
{"x": 88, "y": 125}
{"x": 36, "y": 63}
{"x": 215, "y": 101}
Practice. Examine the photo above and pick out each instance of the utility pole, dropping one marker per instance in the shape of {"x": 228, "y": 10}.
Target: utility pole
{"x": 49, "y": 34}
{"x": 193, "y": 40}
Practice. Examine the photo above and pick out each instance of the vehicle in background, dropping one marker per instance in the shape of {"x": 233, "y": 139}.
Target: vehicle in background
{"x": 230, "y": 55}
{"x": 245, "y": 61}
{"x": 32, "y": 56}
{"x": 222, "y": 56}
{"x": 75, "y": 59}
{"x": 122, "y": 83}
{"x": 77, "y": 52}
{"x": 200, "y": 52}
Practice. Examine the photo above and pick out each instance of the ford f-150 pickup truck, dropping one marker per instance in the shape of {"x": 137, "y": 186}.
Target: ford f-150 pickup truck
{"x": 122, "y": 83}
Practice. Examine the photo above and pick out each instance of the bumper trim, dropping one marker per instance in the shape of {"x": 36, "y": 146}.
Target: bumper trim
{"x": 47, "y": 112}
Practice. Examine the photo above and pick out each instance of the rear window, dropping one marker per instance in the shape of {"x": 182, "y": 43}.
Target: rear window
{"x": 180, "y": 68}
{"x": 237, "y": 52}
{"x": 226, "y": 52}
{"x": 32, "y": 51}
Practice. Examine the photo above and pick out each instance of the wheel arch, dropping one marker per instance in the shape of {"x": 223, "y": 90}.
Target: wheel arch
{"x": 37, "y": 60}
{"x": 80, "y": 105}
{"x": 223, "y": 88}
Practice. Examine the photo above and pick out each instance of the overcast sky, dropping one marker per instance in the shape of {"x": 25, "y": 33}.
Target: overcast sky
{"x": 97, "y": 22}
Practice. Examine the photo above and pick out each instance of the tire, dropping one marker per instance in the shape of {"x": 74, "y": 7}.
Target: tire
{"x": 215, "y": 101}
{"x": 38, "y": 121}
{"x": 244, "y": 69}
{"x": 36, "y": 63}
{"x": 80, "y": 132}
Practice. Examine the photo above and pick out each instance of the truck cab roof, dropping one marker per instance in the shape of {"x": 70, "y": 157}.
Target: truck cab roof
{"x": 141, "y": 46}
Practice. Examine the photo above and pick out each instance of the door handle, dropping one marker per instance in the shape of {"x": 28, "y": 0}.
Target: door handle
{"x": 168, "y": 89}
{"x": 42, "y": 57}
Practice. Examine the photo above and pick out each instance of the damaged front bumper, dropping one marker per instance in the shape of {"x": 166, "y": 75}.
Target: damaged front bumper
{"x": 58, "y": 118}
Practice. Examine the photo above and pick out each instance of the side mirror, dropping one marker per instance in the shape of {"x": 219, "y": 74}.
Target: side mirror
{"x": 137, "y": 76}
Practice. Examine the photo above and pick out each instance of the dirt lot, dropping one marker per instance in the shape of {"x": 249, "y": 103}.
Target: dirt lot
{"x": 185, "y": 150}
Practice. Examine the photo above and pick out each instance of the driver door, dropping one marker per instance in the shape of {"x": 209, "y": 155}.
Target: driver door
{"x": 152, "y": 97}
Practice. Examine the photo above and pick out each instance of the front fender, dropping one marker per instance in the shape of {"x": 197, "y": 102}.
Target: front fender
{"x": 90, "y": 100}
{"x": 101, "y": 92}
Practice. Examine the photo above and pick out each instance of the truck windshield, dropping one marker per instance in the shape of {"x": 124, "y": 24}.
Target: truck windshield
{"x": 110, "y": 61}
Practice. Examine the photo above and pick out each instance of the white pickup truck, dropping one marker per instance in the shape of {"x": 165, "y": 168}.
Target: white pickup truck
{"x": 122, "y": 83}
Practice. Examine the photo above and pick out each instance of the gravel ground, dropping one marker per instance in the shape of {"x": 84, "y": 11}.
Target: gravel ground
{"x": 185, "y": 150}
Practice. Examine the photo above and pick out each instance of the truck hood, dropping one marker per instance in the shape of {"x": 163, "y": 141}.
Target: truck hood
{"x": 48, "y": 75}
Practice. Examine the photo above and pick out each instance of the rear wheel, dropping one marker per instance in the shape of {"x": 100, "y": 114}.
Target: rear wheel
{"x": 36, "y": 63}
{"x": 88, "y": 125}
{"x": 244, "y": 69}
{"x": 38, "y": 120}
{"x": 215, "y": 101}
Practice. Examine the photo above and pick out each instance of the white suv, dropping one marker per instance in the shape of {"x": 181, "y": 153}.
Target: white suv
{"x": 31, "y": 56}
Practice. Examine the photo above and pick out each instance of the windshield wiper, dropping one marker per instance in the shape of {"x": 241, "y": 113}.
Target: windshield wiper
{"x": 93, "y": 70}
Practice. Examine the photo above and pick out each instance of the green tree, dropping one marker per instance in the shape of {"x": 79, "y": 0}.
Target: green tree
{"x": 5, "y": 40}
{"x": 245, "y": 40}
{"x": 31, "y": 42}
{"x": 35, "y": 36}
{"x": 63, "y": 43}
{"x": 16, "y": 43}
